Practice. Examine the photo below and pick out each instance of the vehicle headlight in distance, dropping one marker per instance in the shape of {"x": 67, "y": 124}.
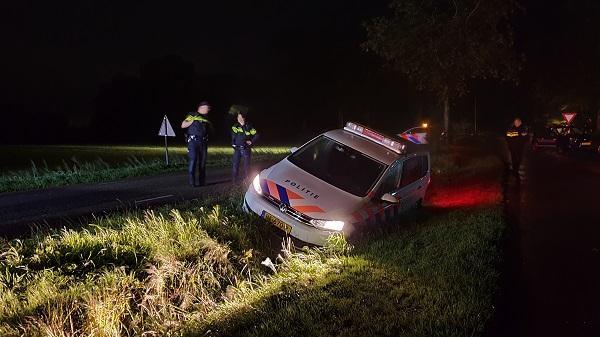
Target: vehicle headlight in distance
{"x": 256, "y": 184}
{"x": 328, "y": 224}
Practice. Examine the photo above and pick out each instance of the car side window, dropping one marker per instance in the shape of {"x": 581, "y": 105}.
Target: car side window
{"x": 391, "y": 180}
{"x": 414, "y": 169}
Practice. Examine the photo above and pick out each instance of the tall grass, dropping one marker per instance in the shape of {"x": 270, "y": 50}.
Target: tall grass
{"x": 128, "y": 275}
{"x": 162, "y": 273}
{"x": 430, "y": 276}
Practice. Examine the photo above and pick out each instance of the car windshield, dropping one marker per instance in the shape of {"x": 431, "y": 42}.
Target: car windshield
{"x": 338, "y": 165}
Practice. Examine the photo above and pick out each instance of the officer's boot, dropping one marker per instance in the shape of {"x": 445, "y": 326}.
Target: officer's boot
{"x": 192, "y": 180}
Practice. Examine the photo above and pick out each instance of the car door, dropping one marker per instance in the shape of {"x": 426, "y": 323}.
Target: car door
{"x": 413, "y": 181}
{"x": 379, "y": 211}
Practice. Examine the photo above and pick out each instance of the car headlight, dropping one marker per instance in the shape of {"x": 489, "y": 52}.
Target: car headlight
{"x": 256, "y": 184}
{"x": 328, "y": 224}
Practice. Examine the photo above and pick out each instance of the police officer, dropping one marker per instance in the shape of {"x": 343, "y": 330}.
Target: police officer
{"x": 243, "y": 137}
{"x": 516, "y": 137}
{"x": 197, "y": 139}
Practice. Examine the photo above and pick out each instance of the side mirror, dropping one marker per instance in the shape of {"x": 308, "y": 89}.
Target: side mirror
{"x": 389, "y": 198}
{"x": 293, "y": 149}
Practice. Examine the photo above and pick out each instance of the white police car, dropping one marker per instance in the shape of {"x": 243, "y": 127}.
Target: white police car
{"x": 340, "y": 181}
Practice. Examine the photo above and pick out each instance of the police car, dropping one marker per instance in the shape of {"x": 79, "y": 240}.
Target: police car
{"x": 339, "y": 182}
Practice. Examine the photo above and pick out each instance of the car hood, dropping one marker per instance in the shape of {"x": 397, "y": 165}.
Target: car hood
{"x": 308, "y": 194}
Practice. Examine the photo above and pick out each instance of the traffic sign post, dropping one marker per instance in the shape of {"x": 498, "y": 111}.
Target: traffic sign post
{"x": 569, "y": 116}
{"x": 166, "y": 131}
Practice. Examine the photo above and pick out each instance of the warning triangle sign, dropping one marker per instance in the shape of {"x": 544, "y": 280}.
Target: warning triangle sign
{"x": 568, "y": 116}
{"x": 166, "y": 129}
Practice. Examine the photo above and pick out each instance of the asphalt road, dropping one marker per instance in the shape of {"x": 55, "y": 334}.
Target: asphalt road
{"x": 66, "y": 205}
{"x": 553, "y": 283}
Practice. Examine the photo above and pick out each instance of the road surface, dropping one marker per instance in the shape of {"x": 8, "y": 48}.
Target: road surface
{"x": 553, "y": 283}
{"x": 63, "y": 205}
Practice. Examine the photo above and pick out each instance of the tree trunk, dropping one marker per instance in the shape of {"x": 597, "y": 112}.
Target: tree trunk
{"x": 446, "y": 102}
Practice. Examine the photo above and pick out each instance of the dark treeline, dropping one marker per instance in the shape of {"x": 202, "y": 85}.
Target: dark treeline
{"x": 301, "y": 70}
{"x": 561, "y": 43}
{"x": 310, "y": 95}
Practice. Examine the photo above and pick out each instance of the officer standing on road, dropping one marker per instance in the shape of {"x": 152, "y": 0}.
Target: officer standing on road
{"x": 516, "y": 137}
{"x": 243, "y": 137}
{"x": 197, "y": 138}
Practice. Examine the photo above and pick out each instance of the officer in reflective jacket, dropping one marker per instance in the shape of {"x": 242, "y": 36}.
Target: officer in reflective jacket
{"x": 516, "y": 137}
{"x": 197, "y": 139}
{"x": 243, "y": 137}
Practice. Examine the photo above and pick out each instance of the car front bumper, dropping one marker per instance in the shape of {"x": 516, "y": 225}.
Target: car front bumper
{"x": 256, "y": 203}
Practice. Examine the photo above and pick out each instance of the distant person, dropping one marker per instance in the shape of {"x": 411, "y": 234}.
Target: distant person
{"x": 516, "y": 137}
{"x": 243, "y": 137}
{"x": 197, "y": 141}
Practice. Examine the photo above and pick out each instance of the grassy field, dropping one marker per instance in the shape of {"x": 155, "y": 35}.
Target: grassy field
{"x": 431, "y": 276}
{"x": 20, "y": 157}
{"x": 200, "y": 269}
{"x": 34, "y": 167}
{"x": 128, "y": 274}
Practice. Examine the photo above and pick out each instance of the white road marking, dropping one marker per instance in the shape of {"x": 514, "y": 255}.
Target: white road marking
{"x": 156, "y": 198}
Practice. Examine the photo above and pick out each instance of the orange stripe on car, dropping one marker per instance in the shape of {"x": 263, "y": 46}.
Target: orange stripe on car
{"x": 309, "y": 209}
{"x": 293, "y": 195}
{"x": 273, "y": 190}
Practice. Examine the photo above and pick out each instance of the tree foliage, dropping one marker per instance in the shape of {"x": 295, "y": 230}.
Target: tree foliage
{"x": 442, "y": 45}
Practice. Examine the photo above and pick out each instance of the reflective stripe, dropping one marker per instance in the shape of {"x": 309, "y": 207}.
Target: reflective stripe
{"x": 273, "y": 189}
{"x": 294, "y": 196}
{"x": 309, "y": 209}
{"x": 250, "y": 132}
{"x": 191, "y": 118}
{"x": 283, "y": 197}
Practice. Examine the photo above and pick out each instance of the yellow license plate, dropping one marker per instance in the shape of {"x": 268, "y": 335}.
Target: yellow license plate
{"x": 586, "y": 143}
{"x": 278, "y": 223}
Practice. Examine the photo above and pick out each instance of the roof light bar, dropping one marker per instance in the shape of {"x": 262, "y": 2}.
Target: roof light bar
{"x": 377, "y": 137}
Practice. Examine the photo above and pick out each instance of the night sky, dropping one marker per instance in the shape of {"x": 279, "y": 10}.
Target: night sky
{"x": 103, "y": 71}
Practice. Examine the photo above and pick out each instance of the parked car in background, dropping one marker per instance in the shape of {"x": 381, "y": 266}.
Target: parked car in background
{"x": 573, "y": 139}
{"x": 546, "y": 137}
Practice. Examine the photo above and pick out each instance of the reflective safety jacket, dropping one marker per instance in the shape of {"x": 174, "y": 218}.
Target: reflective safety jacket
{"x": 516, "y": 136}
{"x": 199, "y": 125}
{"x": 514, "y": 131}
{"x": 240, "y": 134}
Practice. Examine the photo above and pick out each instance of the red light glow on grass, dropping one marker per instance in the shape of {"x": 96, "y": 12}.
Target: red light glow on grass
{"x": 470, "y": 195}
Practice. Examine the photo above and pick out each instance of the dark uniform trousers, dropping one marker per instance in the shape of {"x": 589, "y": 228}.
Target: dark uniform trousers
{"x": 197, "y": 151}
{"x": 516, "y": 139}
{"x": 239, "y": 153}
